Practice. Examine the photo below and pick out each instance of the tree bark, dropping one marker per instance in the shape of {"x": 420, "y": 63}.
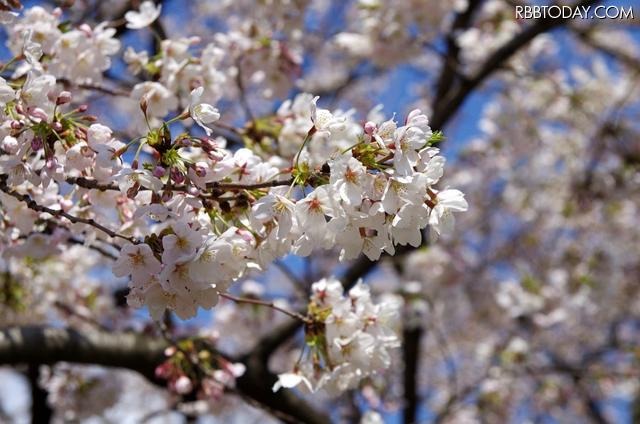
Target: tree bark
{"x": 37, "y": 345}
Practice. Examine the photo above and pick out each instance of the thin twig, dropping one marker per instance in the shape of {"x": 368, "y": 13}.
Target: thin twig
{"x": 68, "y": 309}
{"x": 266, "y": 303}
{"x": 241, "y": 89}
{"x": 31, "y": 204}
{"x": 95, "y": 87}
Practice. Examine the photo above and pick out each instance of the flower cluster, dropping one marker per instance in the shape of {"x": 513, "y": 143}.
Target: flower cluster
{"x": 366, "y": 199}
{"x": 348, "y": 339}
{"x": 184, "y": 215}
{"x": 77, "y": 54}
{"x": 220, "y": 212}
{"x": 192, "y": 367}
{"x": 85, "y": 393}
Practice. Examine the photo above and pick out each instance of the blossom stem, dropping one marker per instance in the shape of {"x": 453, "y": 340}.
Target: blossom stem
{"x": 94, "y": 87}
{"x": 312, "y": 130}
{"x": 266, "y": 303}
{"x": 91, "y": 183}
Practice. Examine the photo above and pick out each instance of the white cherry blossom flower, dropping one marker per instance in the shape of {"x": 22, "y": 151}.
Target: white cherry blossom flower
{"x": 148, "y": 13}
{"x": 348, "y": 177}
{"x": 324, "y": 121}
{"x": 290, "y": 380}
{"x": 276, "y": 207}
{"x": 441, "y": 219}
{"x": 136, "y": 260}
{"x": 181, "y": 244}
{"x": 128, "y": 178}
{"x": 203, "y": 113}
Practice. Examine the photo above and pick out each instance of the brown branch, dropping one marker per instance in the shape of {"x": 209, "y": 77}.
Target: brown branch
{"x": 238, "y": 186}
{"x": 587, "y": 37}
{"x": 59, "y": 213}
{"x": 47, "y": 345}
{"x": 445, "y": 108}
{"x": 410, "y": 355}
{"x": 93, "y": 184}
{"x": 242, "y": 92}
{"x": 577, "y": 375}
{"x": 450, "y": 72}
{"x": 41, "y": 412}
{"x": 94, "y": 87}
{"x": 267, "y": 304}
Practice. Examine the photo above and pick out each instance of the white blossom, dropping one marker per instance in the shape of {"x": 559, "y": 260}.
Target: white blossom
{"x": 147, "y": 13}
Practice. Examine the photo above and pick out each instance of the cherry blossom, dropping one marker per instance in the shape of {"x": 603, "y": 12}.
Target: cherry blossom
{"x": 148, "y": 13}
{"x": 137, "y": 261}
{"x": 203, "y": 113}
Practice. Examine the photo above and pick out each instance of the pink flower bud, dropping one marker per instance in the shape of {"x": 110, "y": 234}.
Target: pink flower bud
{"x": 200, "y": 171}
{"x": 82, "y": 108}
{"x": 163, "y": 370}
{"x": 183, "y": 385}
{"x": 63, "y": 98}
{"x": 51, "y": 163}
{"x": 16, "y": 125}
{"x": 167, "y": 195}
{"x": 86, "y": 29}
{"x": 56, "y": 126}
{"x": 176, "y": 175}
{"x": 38, "y": 113}
{"x": 159, "y": 171}
{"x": 36, "y": 143}
{"x": 144, "y": 104}
{"x": 212, "y": 388}
{"x": 207, "y": 145}
{"x": 370, "y": 127}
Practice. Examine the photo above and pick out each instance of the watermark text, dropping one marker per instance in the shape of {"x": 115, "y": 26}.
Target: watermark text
{"x": 570, "y": 12}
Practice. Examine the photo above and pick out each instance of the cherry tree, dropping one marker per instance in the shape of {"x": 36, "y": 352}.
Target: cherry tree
{"x": 208, "y": 209}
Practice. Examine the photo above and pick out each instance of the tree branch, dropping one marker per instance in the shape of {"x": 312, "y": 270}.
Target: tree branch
{"x": 59, "y": 213}
{"x": 35, "y": 345}
{"x": 450, "y": 70}
{"x": 40, "y": 410}
{"x": 446, "y": 107}
{"x": 410, "y": 354}
{"x": 93, "y": 184}
{"x": 48, "y": 345}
